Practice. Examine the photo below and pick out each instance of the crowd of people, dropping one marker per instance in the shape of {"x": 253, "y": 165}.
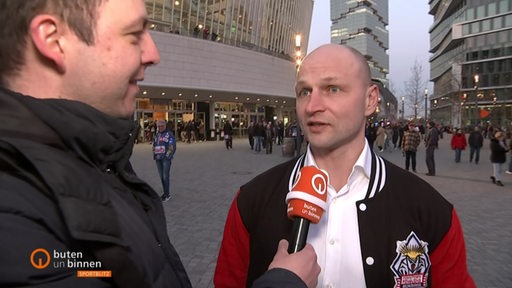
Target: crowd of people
{"x": 408, "y": 137}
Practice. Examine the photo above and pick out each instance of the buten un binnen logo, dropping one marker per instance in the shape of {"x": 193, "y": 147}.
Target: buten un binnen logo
{"x": 37, "y": 256}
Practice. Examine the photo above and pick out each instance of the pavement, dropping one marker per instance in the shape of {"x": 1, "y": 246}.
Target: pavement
{"x": 205, "y": 177}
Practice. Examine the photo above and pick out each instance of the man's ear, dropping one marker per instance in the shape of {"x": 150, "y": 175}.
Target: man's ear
{"x": 46, "y": 32}
{"x": 372, "y": 99}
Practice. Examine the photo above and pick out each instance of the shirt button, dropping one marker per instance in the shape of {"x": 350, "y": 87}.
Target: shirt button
{"x": 332, "y": 242}
{"x": 370, "y": 261}
{"x": 329, "y": 286}
{"x": 362, "y": 207}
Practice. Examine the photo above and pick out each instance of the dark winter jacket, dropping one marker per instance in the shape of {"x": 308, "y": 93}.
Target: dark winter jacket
{"x": 498, "y": 151}
{"x": 476, "y": 139}
{"x": 66, "y": 185}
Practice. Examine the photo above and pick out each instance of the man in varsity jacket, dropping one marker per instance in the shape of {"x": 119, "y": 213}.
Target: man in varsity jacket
{"x": 382, "y": 226}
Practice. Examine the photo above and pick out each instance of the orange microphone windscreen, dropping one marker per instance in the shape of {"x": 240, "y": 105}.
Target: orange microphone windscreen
{"x": 308, "y": 195}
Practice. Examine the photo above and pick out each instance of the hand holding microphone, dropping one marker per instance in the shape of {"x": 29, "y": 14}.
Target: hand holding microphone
{"x": 303, "y": 264}
{"x": 306, "y": 203}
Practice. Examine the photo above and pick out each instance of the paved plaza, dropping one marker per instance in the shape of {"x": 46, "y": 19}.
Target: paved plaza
{"x": 205, "y": 177}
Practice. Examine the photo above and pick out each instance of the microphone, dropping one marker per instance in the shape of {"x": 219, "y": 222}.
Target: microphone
{"x": 306, "y": 203}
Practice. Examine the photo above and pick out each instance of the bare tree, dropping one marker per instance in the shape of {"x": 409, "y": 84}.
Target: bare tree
{"x": 414, "y": 89}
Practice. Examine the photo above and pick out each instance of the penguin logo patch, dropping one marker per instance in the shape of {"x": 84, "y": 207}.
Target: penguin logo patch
{"x": 412, "y": 263}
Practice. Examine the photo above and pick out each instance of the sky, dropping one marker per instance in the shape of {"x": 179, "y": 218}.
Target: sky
{"x": 409, "y": 40}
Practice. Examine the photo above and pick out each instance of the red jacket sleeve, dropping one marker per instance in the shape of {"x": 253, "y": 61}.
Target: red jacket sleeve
{"x": 233, "y": 260}
{"x": 448, "y": 260}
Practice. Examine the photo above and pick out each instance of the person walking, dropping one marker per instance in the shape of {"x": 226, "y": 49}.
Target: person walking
{"x": 396, "y": 135}
{"x": 475, "y": 141}
{"x": 509, "y": 170}
{"x": 259, "y": 133}
{"x": 458, "y": 144}
{"x": 431, "y": 144}
{"x": 499, "y": 151}
{"x": 269, "y": 137}
{"x": 164, "y": 147}
{"x": 371, "y": 134}
{"x": 250, "y": 134}
{"x": 410, "y": 142}
{"x": 381, "y": 137}
{"x": 401, "y": 130}
{"x": 228, "y": 134}
{"x": 71, "y": 70}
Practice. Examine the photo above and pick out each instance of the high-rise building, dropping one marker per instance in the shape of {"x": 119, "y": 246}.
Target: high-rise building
{"x": 224, "y": 60}
{"x": 361, "y": 24}
{"x": 471, "y": 62}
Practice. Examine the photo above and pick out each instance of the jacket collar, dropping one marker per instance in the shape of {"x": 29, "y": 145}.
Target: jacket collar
{"x": 94, "y": 137}
{"x": 377, "y": 171}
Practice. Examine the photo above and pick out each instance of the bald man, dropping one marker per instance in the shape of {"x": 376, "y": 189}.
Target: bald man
{"x": 376, "y": 231}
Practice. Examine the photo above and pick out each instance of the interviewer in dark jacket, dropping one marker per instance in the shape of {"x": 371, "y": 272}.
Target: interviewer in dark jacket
{"x": 71, "y": 204}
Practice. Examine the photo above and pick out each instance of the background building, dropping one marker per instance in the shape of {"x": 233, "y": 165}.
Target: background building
{"x": 471, "y": 62}
{"x": 362, "y": 25}
{"x": 224, "y": 60}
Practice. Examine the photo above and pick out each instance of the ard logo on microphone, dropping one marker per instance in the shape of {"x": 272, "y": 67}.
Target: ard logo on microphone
{"x": 308, "y": 195}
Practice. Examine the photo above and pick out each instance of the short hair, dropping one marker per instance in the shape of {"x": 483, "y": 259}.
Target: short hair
{"x": 15, "y": 18}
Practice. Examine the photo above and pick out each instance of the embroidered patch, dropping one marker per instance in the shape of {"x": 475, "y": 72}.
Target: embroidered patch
{"x": 412, "y": 263}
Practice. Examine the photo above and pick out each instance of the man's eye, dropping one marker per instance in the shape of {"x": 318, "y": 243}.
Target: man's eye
{"x": 137, "y": 36}
{"x": 303, "y": 93}
{"x": 334, "y": 89}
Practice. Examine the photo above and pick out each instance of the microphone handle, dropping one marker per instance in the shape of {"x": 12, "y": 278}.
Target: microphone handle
{"x": 299, "y": 235}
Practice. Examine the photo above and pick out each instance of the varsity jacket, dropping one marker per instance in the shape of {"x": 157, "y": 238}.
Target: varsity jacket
{"x": 71, "y": 204}
{"x": 403, "y": 223}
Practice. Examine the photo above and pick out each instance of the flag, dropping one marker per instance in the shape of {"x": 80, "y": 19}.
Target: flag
{"x": 484, "y": 113}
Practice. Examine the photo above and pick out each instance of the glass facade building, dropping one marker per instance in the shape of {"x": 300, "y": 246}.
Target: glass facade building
{"x": 224, "y": 60}
{"x": 471, "y": 62}
{"x": 362, "y": 25}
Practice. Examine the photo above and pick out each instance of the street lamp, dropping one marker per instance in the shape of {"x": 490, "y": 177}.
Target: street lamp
{"x": 403, "y": 100}
{"x": 426, "y": 104}
{"x": 477, "y": 116}
{"x": 298, "y": 52}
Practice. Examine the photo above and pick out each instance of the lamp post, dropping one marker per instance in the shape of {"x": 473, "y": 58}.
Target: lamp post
{"x": 426, "y": 104}
{"x": 403, "y": 100}
{"x": 298, "y": 52}
{"x": 477, "y": 115}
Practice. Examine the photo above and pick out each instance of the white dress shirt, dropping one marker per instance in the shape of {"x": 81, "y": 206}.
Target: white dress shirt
{"x": 336, "y": 237}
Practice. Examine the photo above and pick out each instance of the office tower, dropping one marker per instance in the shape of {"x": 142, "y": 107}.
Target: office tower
{"x": 362, "y": 25}
{"x": 471, "y": 62}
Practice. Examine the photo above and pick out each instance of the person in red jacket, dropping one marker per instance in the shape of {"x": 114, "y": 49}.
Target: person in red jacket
{"x": 459, "y": 143}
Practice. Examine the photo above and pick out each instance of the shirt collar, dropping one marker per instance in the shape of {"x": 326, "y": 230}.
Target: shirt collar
{"x": 363, "y": 163}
